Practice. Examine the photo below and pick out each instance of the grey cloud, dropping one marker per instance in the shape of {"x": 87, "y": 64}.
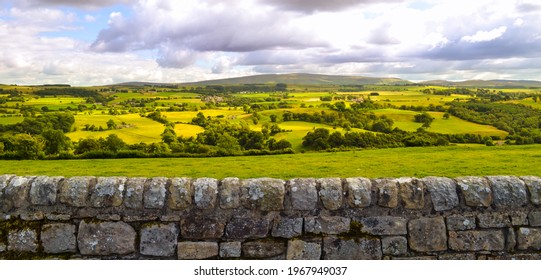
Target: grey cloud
{"x": 84, "y": 4}
{"x": 528, "y": 7}
{"x": 381, "y": 36}
{"x": 310, "y": 6}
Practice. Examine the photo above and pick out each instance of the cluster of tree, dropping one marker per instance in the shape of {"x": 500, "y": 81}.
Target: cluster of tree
{"x": 347, "y": 119}
{"x": 495, "y": 96}
{"x": 91, "y": 96}
{"x": 424, "y": 118}
{"x": 448, "y": 91}
{"x": 227, "y": 89}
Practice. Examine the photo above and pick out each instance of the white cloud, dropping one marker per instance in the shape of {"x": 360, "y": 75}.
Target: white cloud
{"x": 484, "y": 36}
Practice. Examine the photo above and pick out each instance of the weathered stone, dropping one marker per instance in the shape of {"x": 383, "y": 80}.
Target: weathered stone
{"x": 493, "y": 220}
{"x": 326, "y": 224}
{"x": 509, "y": 191}
{"x": 58, "y": 217}
{"x": 229, "y": 192}
{"x": 529, "y": 238}
{"x": 331, "y": 193}
{"x": 383, "y": 225}
{"x": 180, "y": 193}
{"x": 262, "y": 249}
{"x": 394, "y": 245}
{"x": 135, "y": 187}
{"x": 412, "y": 193}
{"x": 2, "y": 247}
{"x": 108, "y": 217}
{"x": 154, "y": 195}
{"x": 58, "y": 238}
{"x": 463, "y": 257}
{"x": 74, "y": 191}
{"x": 205, "y": 193}
{"x": 387, "y": 192}
{"x": 535, "y": 218}
{"x": 352, "y": 249}
{"x": 230, "y": 249}
{"x": 459, "y": 222}
{"x": 302, "y": 194}
{"x": 4, "y": 182}
{"x": 158, "y": 240}
{"x": 240, "y": 228}
{"x": 32, "y": 216}
{"x": 170, "y": 218}
{"x": 359, "y": 192}
{"x": 106, "y": 238}
{"x": 16, "y": 192}
{"x": 534, "y": 187}
{"x": 24, "y": 240}
{"x": 264, "y": 194}
{"x": 108, "y": 192}
{"x": 518, "y": 218}
{"x": 197, "y": 250}
{"x": 43, "y": 190}
{"x": 287, "y": 227}
{"x": 476, "y": 191}
{"x": 427, "y": 234}
{"x": 474, "y": 240}
{"x": 201, "y": 228}
{"x": 442, "y": 192}
{"x": 303, "y": 250}
{"x": 511, "y": 240}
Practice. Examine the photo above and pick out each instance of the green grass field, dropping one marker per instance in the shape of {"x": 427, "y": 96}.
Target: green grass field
{"x": 475, "y": 160}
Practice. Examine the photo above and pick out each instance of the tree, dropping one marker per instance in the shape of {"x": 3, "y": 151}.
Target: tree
{"x": 111, "y": 124}
{"x": 169, "y": 136}
{"x": 87, "y": 145}
{"x": 336, "y": 139}
{"x": 273, "y": 117}
{"x": 55, "y": 141}
{"x": 113, "y": 143}
{"x": 280, "y": 145}
{"x": 446, "y": 116}
{"x": 227, "y": 144}
{"x": 424, "y": 118}
{"x": 27, "y": 146}
{"x": 317, "y": 139}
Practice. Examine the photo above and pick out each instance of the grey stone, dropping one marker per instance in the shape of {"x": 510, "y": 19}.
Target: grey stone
{"x": 387, "y": 192}
{"x": 154, "y": 195}
{"x": 474, "y": 240}
{"x": 241, "y": 228}
{"x": 16, "y": 192}
{"x": 412, "y": 193}
{"x": 201, "y": 228}
{"x": 159, "y": 240}
{"x": 205, "y": 193}
{"x": 331, "y": 193}
{"x": 535, "y": 218}
{"x": 359, "y": 191}
{"x": 476, "y": 191}
{"x": 287, "y": 227}
{"x": 460, "y": 222}
{"x": 352, "y": 249}
{"x": 442, "y": 192}
{"x": 2, "y": 247}
{"x": 303, "y": 250}
{"x": 534, "y": 187}
{"x": 58, "y": 217}
{"x": 265, "y": 194}
{"x": 4, "y": 181}
{"x": 493, "y": 220}
{"x": 463, "y": 257}
{"x": 180, "y": 193}
{"x": 383, "y": 225}
{"x": 327, "y": 224}
{"x": 394, "y": 245}
{"x": 230, "y": 249}
{"x": 135, "y": 187}
{"x": 108, "y": 192}
{"x": 229, "y": 192}
{"x": 32, "y": 216}
{"x": 58, "y": 238}
{"x": 43, "y": 190}
{"x": 108, "y": 217}
{"x": 197, "y": 250}
{"x": 302, "y": 194}
{"x": 262, "y": 249}
{"x": 509, "y": 191}
{"x": 106, "y": 238}
{"x": 74, "y": 191}
{"x": 519, "y": 218}
{"x": 529, "y": 238}
{"x": 511, "y": 241}
{"x": 24, "y": 240}
{"x": 427, "y": 234}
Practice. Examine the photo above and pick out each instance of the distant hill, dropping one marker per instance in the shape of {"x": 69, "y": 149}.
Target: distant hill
{"x": 486, "y": 83}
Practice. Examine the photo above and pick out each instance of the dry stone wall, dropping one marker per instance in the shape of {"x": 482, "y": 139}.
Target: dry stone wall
{"x": 493, "y": 217}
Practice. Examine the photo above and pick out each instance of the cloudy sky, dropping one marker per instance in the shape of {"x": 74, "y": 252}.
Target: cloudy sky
{"x": 96, "y": 42}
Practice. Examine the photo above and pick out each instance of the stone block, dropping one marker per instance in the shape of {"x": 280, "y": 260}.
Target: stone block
{"x": 154, "y": 195}
{"x": 326, "y": 224}
{"x": 241, "y": 228}
{"x": 442, "y": 192}
{"x": 32, "y": 216}
{"x": 201, "y": 228}
{"x": 197, "y": 250}
{"x": 474, "y": 240}
{"x": 458, "y": 257}
{"x": 135, "y": 187}
{"x": 106, "y": 238}
{"x": 24, "y": 240}
{"x": 493, "y": 220}
{"x": 427, "y": 234}
{"x": 107, "y": 192}
{"x": 476, "y": 191}
{"x": 331, "y": 193}
{"x": 16, "y": 193}
{"x": 394, "y": 245}
{"x": 302, "y": 194}
{"x": 205, "y": 193}
{"x": 158, "y": 240}
{"x": 509, "y": 191}
{"x": 359, "y": 192}
{"x": 412, "y": 193}
{"x": 4, "y": 182}
{"x": 58, "y": 238}
{"x": 519, "y": 218}
{"x": 74, "y": 191}
{"x": 230, "y": 249}
{"x": 3, "y": 247}
{"x": 535, "y": 218}
{"x": 262, "y": 249}
{"x": 265, "y": 194}
{"x": 303, "y": 250}
{"x": 511, "y": 240}
{"x": 352, "y": 249}
{"x": 383, "y": 225}
{"x": 229, "y": 193}
{"x": 43, "y": 190}
{"x": 460, "y": 222}
{"x": 387, "y": 192}
{"x": 180, "y": 193}
{"x": 287, "y": 227}
{"x": 534, "y": 187}
{"x": 529, "y": 238}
